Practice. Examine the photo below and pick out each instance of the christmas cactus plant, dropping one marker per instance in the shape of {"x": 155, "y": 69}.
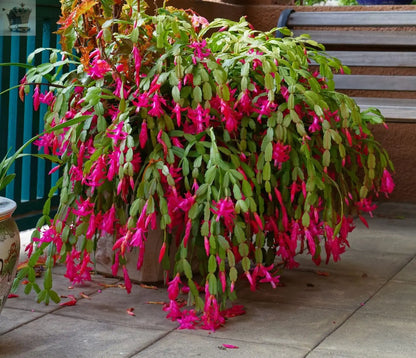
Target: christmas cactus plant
{"x": 232, "y": 142}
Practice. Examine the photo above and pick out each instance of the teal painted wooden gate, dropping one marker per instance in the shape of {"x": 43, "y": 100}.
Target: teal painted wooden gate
{"x": 18, "y": 121}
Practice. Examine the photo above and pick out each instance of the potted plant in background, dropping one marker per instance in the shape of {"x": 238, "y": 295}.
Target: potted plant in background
{"x": 9, "y": 236}
{"x": 9, "y": 232}
{"x": 224, "y": 138}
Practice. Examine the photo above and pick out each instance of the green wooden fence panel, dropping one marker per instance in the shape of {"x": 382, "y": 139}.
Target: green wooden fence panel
{"x": 19, "y": 122}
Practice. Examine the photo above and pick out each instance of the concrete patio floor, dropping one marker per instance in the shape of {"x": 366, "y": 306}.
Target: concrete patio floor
{"x": 362, "y": 306}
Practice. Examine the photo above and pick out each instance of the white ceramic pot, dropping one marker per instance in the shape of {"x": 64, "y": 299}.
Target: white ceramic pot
{"x": 9, "y": 248}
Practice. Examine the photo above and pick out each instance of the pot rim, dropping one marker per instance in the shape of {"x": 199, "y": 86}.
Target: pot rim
{"x": 7, "y": 208}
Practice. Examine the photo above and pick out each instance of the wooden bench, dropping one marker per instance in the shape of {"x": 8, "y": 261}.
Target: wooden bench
{"x": 378, "y": 46}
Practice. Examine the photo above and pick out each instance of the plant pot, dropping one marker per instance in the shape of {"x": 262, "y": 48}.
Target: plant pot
{"x": 151, "y": 270}
{"x": 9, "y": 248}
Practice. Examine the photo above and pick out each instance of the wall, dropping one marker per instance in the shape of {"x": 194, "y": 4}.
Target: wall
{"x": 399, "y": 140}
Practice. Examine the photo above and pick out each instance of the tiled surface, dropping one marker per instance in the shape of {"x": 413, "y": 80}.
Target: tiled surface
{"x": 363, "y": 306}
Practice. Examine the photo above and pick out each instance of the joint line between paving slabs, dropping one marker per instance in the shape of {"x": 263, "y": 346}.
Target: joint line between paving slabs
{"x": 24, "y": 323}
{"x": 152, "y": 343}
{"x": 359, "y": 307}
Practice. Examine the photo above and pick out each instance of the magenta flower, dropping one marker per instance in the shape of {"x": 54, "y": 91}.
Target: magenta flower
{"x": 98, "y": 69}
{"x": 230, "y": 117}
{"x": 143, "y": 135}
{"x": 36, "y": 98}
{"x": 127, "y": 281}
{"x": 137, "y": 64}
{"x": 173, "y": 287}
{"x": 47, "y": 98}
{"x": 98, "y": 172}
{"x": 200, "y": 50}
{"x": 199, "y": 21}
{"x": 211, "y": 318}
{"x": 50, "y": 235}
{"x": 113, "y": 163}
{"x": 225, "y": 209}
{"x": 109, "y": 220}
{"x": 117, "y": 134}
{"x": 387, "y": 183}
{"x": 189, "y": 320}
{"x": 280, "y": 153}
{"x": 200, "y": 118}
{"x": 156, "y": 103}
{"x": 78, "y": 266}
{"x": 173, "y": 309}
{"x": 316, "y": 125}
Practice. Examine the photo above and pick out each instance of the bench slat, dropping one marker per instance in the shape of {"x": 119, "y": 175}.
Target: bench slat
{"x": 361, "y": 47}
{"x": 374, "y": 82}
{"x": 361, "y": 38}
{"x": 353, "y": 18}
{"x": 393, "y": 109}
{"x": 376, "y": 58}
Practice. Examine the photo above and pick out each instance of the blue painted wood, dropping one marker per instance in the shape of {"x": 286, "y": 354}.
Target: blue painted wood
{"x": 19, "y": 122}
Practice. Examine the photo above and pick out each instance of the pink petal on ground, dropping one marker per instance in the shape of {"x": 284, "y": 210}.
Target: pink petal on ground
{"x": 230, "y": 346}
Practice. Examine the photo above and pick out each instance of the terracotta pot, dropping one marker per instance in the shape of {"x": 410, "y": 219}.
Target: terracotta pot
{"x": 9, "y": 248}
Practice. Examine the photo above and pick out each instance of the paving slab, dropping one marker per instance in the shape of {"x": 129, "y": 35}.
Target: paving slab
{"x": 369, "y": 335}
{"x": 408, "y": 273}
{"x": 391, "y": 209}
{"x": 56, "y": 336}
{"x": 172, "y": 346}
{"x": 360, "y": 263}
{"x": 384, "y": 235}
{"x": 396, "y": 300}
{"x": 282, "y": 324}
{"x": 11, "y": 318}
{"x": 319, "y": 289}
{"x": 111, "y": 305}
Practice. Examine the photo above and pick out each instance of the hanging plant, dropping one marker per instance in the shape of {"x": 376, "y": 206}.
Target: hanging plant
{"x": 225, "y": 138}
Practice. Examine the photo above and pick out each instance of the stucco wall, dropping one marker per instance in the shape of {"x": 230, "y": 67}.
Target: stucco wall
{"x": 399, "y": 140}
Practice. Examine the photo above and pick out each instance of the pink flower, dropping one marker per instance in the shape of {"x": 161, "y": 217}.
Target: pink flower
{"x": 206, "y": 245}
{"x": 230, "y": 117}
{"x": 117, "y": 134}
{"x": 109, "y": 220}
{"x": 143, "y": 135}
{"x": 224, "y": 208}
{"x": 50, "y": 235}
{"x": 387, "y": 183}
{"x": 177, "y": 112}
{"x": 127, "y": 281}
{"x": 36, "y": 98}
{"x": 235, "y": 310}
{"x": 198, "y": 21}
{"x": 316, "y": 125}
{"x": 173, "y": 309}
{"x": 173, "y": 287}
{"x": 280, "y": 153}
{"x": 200, "y": 50}
{"x": 188, "y": 320}
{"x": 200, "y": 119}
{"x": 114, "y": 163}
{"x": 262, "y": 271}
{"x": 98, "y": 69}
{"x": 97, "y": 173}
{"x": 211, "y": 318}
{"x": 137, "y": 64}
{"x": 47, "y": 98}
{"x": 78, "y": 266}
{"x": 366, "y": 205}
{"x": 157, "y": 109}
